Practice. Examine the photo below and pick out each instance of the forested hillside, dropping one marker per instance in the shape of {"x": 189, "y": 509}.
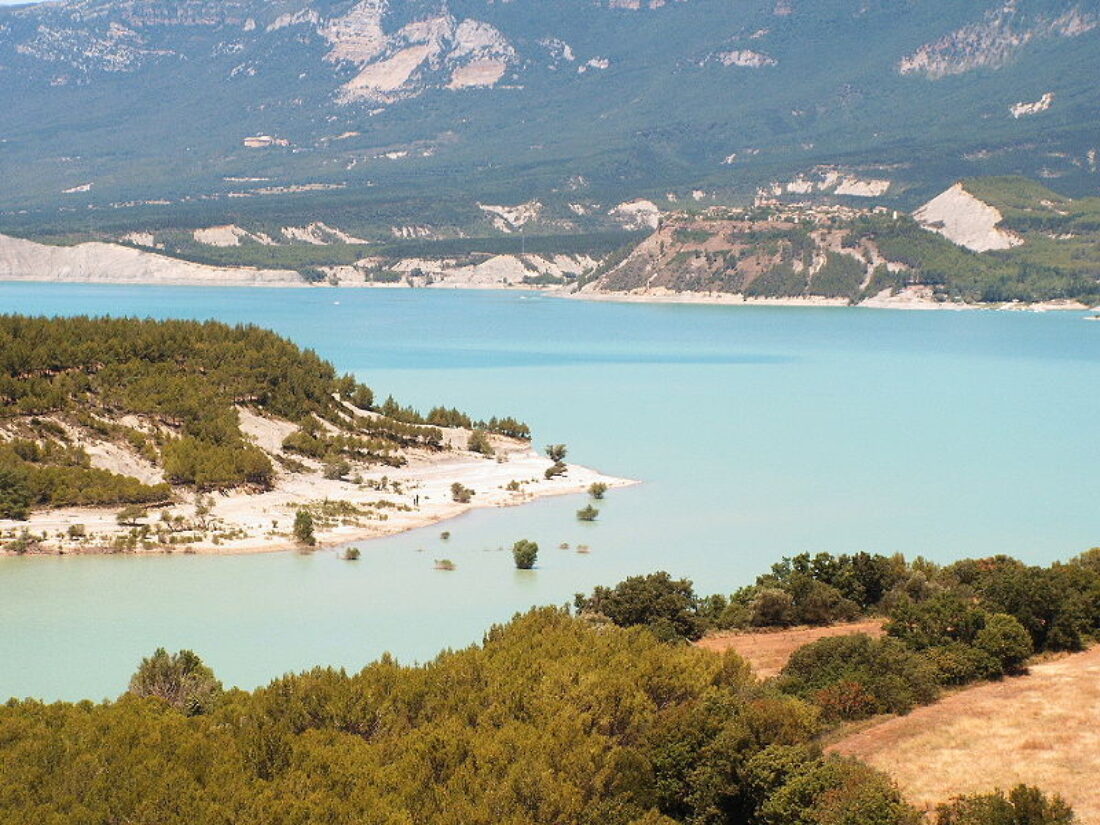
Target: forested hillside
{"x": 424, "y": 116}
{"x": 567, "y": 719}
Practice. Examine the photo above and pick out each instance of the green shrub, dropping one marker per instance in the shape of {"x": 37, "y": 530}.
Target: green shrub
{"x": 556, "y": 469}
{"x": 479, "y": 443}
{"x": 1023, "y": 805}
{"x": 835, "y": 791}
{"x": 525, "y": 553}
{"x": 959, "y": 664}
{"x": 303, "y": 528}
{"x": 180, "y": 679}
{"x": 896, "y": 679}
{"x": 15, "y": 495}
{"x": 335, "y": 469}
{"x": 556, "y": 452}
{"x": 1005, "y": 641}
{"x": 665, "y": 605}
{"x": 588, "y": 513}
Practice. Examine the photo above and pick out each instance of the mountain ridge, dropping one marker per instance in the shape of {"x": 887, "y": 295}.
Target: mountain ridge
{"x": 126, "y": 107}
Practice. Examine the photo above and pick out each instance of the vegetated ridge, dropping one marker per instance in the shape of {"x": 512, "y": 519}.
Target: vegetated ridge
{"x": 449, "y": 118}
{"x": 990, "y": 240}
{"x": 219, "y": 436}
{"x": 986, "y": 241}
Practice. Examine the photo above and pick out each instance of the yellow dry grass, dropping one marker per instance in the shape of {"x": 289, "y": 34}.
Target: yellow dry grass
{"x": 767, "y": 651}
{"x": 1042, "y": 729}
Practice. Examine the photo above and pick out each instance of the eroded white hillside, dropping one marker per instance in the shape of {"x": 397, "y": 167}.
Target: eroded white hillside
{"x": 963, "y": 219}
{"x": 22, "y": 260}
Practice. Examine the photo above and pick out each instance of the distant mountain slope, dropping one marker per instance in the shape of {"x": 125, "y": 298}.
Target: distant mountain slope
{"x": 988, "y": 240}
{"x": 392, "y": 110}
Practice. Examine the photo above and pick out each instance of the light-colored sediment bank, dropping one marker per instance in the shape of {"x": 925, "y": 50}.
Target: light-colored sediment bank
{"x": 916, "y": 298}
{"x": 416, "y": 495}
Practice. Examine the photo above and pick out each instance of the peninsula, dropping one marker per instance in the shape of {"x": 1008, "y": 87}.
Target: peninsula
{"x": 122, "y": 435}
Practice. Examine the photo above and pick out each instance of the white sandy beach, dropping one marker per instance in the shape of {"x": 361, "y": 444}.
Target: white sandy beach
{"x": 261, "y": 522}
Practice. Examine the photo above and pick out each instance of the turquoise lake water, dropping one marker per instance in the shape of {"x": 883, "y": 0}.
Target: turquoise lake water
{"x": 758, "y": 432}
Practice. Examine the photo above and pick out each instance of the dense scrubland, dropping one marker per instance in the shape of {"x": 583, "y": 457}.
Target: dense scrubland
{"x": 171, "y": 392}
{"x": 946, "y": 625}
{"x": 606, "y": 716}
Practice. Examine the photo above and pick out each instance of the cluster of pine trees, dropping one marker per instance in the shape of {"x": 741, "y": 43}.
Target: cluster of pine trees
{"x": 189, "y": 378}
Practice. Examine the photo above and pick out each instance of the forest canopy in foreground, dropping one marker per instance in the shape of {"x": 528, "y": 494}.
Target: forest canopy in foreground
{"x": 554, "y": 718}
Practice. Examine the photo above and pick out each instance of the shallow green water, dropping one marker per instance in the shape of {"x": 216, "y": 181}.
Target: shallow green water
{"x": 758, "y": 431}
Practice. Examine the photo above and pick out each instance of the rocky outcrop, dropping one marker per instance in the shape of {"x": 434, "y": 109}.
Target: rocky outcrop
{"x": 994, "y": 41}
{"x": 432, "y": 52}
{"x": 636, "y": 214}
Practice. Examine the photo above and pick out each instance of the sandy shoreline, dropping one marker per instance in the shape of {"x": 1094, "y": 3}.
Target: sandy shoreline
{"x": 914, "y": 299}
{"x": 907, "y": 300}
{"x": 383, "y": 501}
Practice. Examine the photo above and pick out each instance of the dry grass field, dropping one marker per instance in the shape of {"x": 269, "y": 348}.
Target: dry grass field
{"x": 1042, "y": 729}
{"x": 768, "y": 651}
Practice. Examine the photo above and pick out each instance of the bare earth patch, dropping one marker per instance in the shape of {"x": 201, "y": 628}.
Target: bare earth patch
{"x": 1042, "y": 729}
{"x": 768, "y": 651}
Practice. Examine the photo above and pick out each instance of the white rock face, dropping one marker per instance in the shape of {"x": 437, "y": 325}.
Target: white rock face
{"x": 746, "y": 58}
{"x": 302, "y": 17}
{"x": 141, "y": 239}
{"x": 230, "y": 235}
{"x": 993, "y": 41}
{"x": 1020, "y": 110}
{"x": 319, "y": 234}
{"x": 434, "y": 52}
{"x": 412, "y": 231}
{"x": 963, "y": 219}
{"x": 22, "y": 260}
{"x": 357, "y": 37}
{"x": 637, "y": 214}
{"x": 478, "y": 73}
{"x": 601, "y": 63}
{"x": 854, "y": 187}
{"x": 499, "y": 270}
{"x": 829, "y": 180}
{"x": 509, "y": 218}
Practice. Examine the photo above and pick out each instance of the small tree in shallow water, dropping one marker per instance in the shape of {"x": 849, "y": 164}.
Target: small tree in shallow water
{"x": 525, "y": 553}
{"x": 180, "y": 679}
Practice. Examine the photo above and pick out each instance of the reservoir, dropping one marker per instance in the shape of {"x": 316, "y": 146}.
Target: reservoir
{"x": 758, "y": 432}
